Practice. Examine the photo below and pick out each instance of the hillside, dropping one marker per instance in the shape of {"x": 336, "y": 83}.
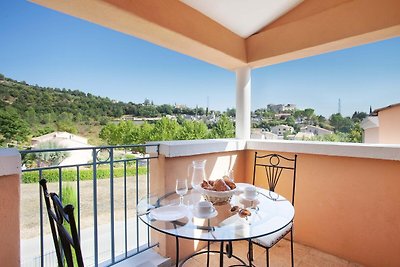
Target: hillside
{"x": 27, "y": 111}
{"x": 31, "y": 110}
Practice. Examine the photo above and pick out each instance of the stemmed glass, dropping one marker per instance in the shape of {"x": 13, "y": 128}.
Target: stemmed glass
{"x": 181, "y": 189}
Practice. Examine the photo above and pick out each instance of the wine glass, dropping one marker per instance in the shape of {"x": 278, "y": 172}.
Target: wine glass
{"x": 181, "y": 189}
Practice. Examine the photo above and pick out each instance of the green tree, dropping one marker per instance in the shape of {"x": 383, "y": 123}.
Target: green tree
{"x": 45, "y": 130}
{"x": 358, "y": 116}
{"x": 231, "y": 112}
{"x": 340, "y": 123}
{"x": 224, "y": 128}
{"x": 290, "y": 121}
{"x": 30, "y": 115}
{"x": 12, "y": 128}
{"x": 308, "y": 113}
{"x": 65, "y": 126}
{"x": 355, "y": 134}
{"x": 165, "y": 129}
{"x": 193, "y": 130}
{"x": 110, "y": 134}
{"x": 165, "y": 109}
{"x": 145, "y": 133}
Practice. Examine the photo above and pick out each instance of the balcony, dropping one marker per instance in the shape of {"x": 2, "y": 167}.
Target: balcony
{"x": 347, "y": 200}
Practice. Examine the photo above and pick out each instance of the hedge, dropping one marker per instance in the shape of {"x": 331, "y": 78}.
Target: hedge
{"x": 84, "y": 174}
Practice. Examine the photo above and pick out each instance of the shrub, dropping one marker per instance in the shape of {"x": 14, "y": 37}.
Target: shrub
{"x": 84, "y": 174}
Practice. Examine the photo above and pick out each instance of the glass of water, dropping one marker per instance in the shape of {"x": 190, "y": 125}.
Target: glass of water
{"x": 181, "y": 189}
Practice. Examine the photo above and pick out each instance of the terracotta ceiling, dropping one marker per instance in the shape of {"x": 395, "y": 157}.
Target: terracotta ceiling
{"x": 277, "y": 33}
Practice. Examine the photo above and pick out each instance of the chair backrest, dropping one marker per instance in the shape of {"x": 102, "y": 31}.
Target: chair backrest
{"x": 274, "y": 165}
{"x": 60, "y": 216}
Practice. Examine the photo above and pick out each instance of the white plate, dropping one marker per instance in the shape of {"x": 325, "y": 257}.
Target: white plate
{"x": 242, "y": 196}
{"x": 253, "y": 202}
{"x": 240, "y": 187}
{"x": 169, "y": 213}
{"x": 205, "y": 216}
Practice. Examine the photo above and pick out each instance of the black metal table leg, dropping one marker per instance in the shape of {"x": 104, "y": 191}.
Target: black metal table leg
{"x": 250, "y": 253}
{"x": 221, "y": 254}
{"x": 177, "y": 252}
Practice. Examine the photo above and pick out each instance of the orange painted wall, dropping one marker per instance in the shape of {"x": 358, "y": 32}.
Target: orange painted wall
{"x": 389, "y": 125}
{"x": 9, "y": 220}
{"x": 349, "y": 207}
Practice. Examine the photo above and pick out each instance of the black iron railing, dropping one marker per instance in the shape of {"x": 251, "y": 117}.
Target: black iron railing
{"x": 110, "y": 180}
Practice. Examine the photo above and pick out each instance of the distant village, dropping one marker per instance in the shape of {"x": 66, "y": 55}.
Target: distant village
{"x": 283, "y": 131}
{"x": 374, "y": 126}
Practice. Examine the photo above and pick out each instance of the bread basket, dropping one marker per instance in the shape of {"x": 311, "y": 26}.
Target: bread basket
{"x": 216, "y": 197}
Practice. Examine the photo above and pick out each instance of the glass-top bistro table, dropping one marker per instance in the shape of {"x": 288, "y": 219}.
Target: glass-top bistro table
{"x": 166, "y": 215}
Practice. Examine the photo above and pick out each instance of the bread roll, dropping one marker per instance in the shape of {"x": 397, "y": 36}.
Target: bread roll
{"x": 229, "y": 183}
{"x": 220, "y": 185}
{"x": 206, "y": 185}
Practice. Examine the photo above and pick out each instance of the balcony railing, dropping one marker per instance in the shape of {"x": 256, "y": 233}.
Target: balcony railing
{"x": 104, "y": 184}
{"x": 339, "y": 188}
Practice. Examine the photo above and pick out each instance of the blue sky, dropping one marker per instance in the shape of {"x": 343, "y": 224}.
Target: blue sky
{"x": 44, "y": 47}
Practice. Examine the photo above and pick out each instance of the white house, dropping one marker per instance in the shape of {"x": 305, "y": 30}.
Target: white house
{"x": 281, "y": 129}
{"x": 303, "y": 136}
{"x": 382, "y": 126}
{"x": 281, "y": 107}
{"x": 67, "y": 140}
{"x": 261, "y": 134}
{"x": 315, "y": 130}
{"x": 370, "y": 126}
{"x": 58, "y": 137}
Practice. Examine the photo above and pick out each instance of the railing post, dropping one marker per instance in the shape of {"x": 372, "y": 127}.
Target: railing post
{"x": 111, "y": 151}
{"x": 95, "y": 232}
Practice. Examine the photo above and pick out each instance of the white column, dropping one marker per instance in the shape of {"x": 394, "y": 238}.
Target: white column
{"x": 243, "y": 102}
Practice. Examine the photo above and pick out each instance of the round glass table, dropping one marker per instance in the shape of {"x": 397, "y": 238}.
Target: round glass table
{"x": 166, "y": 215}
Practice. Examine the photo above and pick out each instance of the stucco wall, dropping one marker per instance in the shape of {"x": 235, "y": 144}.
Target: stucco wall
{"x": 9, "y": 220}
{"x": 389, "y": 125}
{"x": 345, "y": 206}
{"x": 348, "y": 207}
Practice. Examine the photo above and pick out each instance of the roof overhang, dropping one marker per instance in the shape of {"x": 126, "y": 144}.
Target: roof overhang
{"x": 311, "y": 28}
{"x": 376, "y": 111}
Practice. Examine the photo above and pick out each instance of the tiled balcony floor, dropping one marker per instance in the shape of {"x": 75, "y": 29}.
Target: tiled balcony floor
{"x": 279, "y": 256}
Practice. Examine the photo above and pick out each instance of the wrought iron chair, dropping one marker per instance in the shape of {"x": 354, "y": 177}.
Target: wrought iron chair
{"x": 274, "y": 165}
{"x": 58, "y": 216}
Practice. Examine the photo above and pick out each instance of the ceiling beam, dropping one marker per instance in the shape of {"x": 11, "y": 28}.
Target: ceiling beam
{"x": 317, "y": 27}
{"x": 167, "y": 23}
